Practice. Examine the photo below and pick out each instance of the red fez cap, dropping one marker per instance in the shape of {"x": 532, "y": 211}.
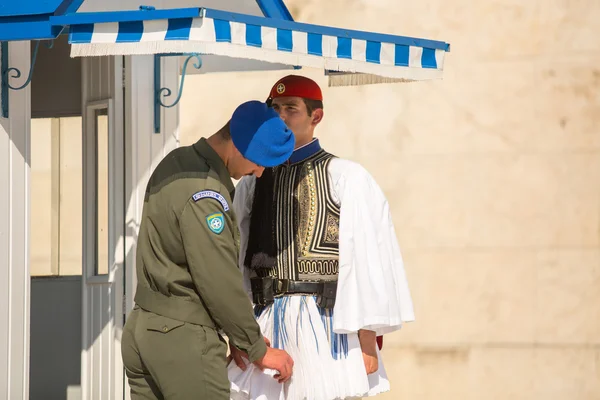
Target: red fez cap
{"x": 296, "y": 86}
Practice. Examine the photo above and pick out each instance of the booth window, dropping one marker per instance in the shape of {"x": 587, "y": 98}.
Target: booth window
{"x": 102, "y": 191}
{"x": 56, "y": 196}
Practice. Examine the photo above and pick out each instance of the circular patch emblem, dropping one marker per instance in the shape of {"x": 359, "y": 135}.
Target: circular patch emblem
{"x": 280, "y": 88}
{"x": 216, "y": 222}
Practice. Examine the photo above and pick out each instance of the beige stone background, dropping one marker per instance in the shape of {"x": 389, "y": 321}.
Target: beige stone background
{"x": 493, "y": 176}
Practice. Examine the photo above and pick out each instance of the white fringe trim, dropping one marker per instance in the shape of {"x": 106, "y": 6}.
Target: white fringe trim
{"x": 261, "y": 54}
{"x": 357, "y": 79}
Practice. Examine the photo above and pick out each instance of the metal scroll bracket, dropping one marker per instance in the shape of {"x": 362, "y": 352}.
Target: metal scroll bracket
{"x": 6, "y": 73}
{"x": 166, "y": 92}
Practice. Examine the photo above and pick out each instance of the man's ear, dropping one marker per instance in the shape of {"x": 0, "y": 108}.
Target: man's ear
{"x": 317, "y": 116}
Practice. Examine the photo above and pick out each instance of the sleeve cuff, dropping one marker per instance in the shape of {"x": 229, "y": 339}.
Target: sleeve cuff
{"x": 257, "y": 350}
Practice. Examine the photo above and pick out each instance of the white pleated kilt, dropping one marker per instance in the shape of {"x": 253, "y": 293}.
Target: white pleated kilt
{"x": 327, "y": 366}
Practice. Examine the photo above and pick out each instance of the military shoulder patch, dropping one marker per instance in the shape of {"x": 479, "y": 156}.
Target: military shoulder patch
{"x": 216, "y": 222}
{"x": 213, "y": 195}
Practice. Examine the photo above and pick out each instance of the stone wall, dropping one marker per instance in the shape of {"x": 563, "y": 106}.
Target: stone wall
{"x": 493, "y": 176}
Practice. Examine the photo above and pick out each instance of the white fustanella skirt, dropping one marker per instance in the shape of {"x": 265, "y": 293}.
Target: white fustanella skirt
{"x": 327, "y": 366}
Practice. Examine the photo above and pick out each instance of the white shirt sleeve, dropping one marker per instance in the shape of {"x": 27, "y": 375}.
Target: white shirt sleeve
{"x": 242, "y": 207}
{"x": 372, "y": 291}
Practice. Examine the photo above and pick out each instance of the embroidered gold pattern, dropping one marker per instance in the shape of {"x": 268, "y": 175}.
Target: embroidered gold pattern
{"x": 307, "y": 227}
{"x": 332, "y": 230}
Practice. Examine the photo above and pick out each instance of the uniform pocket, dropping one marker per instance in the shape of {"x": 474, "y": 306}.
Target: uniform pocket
{"x": 215, "y": 344}
{"x": 159, "y": 323}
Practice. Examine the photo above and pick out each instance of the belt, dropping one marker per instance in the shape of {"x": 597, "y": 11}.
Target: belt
{"x": 288, "y": 286}
{"x": 307, "y": 287}
{"x": 179, "y": 308}
{"x": 265, "y": 290}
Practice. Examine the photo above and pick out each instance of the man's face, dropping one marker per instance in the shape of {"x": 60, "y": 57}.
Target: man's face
{"x": 239, "y": 166}
{"x": 294, "y": 113}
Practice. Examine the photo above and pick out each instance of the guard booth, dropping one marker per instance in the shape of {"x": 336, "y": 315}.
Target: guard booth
{"x": 89, "y": 106}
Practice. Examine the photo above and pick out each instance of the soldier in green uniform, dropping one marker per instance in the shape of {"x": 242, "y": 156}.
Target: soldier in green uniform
{"x": 189, "y": 285}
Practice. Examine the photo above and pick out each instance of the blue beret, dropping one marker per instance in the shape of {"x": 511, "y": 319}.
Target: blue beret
{"x": 260, "y": 134}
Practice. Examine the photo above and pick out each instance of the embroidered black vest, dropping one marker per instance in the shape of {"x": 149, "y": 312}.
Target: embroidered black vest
{"x": 294, "y": 226}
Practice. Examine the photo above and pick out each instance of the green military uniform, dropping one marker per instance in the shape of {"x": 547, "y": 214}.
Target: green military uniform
{"x": 189, "y": 284}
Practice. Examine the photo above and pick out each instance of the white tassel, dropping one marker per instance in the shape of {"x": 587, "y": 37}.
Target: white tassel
{"x": 349, "y": 79}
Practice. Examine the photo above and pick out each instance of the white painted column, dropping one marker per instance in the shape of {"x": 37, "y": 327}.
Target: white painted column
{"x": 102, "y": 319}
{"x": 15, "y": 161}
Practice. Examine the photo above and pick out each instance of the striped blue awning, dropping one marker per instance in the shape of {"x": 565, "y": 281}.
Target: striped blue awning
{"x": 207, "y": 31}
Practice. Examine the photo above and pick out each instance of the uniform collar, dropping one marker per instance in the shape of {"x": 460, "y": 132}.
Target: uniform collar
{"x": 215, "y": 162}
{"x": 304, "y": 152}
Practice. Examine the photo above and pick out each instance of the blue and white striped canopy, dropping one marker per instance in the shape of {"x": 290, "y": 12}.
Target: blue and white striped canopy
{"x": 207, "y": 31}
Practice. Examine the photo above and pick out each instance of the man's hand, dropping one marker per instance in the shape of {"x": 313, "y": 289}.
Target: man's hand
{"x": 238, "y": 355}
{"x": 278, "y": 360}
{"x": 368, "y": 345}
